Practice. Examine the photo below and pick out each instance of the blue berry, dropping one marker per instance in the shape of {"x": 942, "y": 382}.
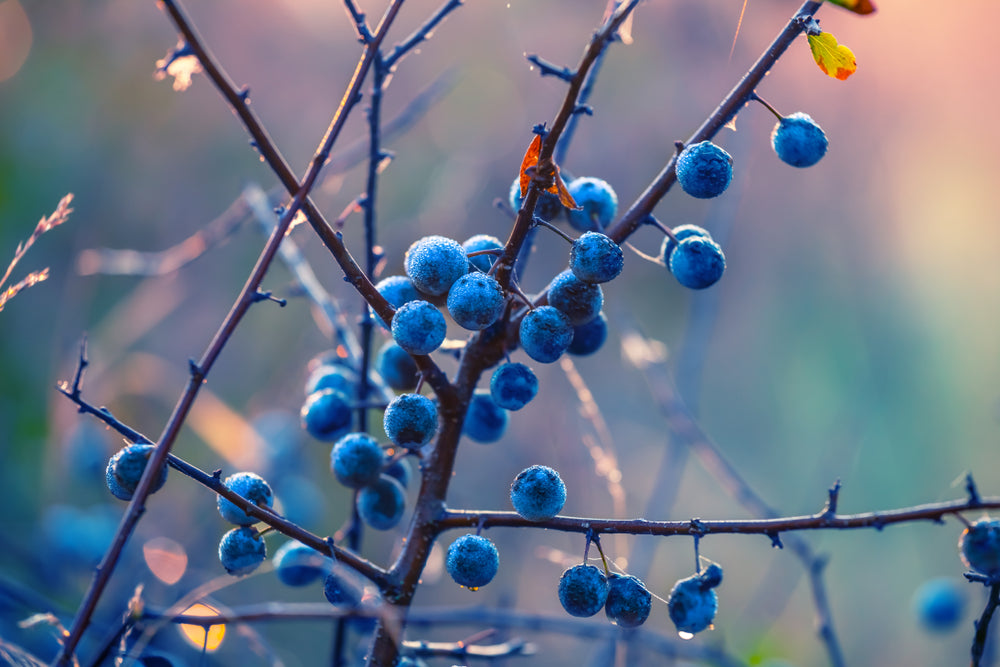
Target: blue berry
{"x": 433, "y": 263}
{"x": 681, "y": 232}
{"x": 338, "y": 592}
{"x": 548, "y": 206}
{"x": 940, "y": 604}
{"x": 252, "y": 487}
{"x": 472, "y": 561}
{"x": 538, "y": 493}
{"x": 588, "y": 338}
{"x": 397, "y": 367}
{"x": 381, "y": 505}
{"x": 513, "y": 385}
{"x": 579, "y": 301}
{"x": 485, "y": 421}
{"x": 125, "y": 469}
{"x": 545, "y": 333}
{"x": 397, "y": 290}
{"x": 332, "y": 376}
{"x": 629, "y": 602}
{"x": 595, "y": 258}
{"x": 356, "y": 460}
{"x": 979, "y": 547}
{"x": 482, "y": 242}
{"x": 241, "y": 550}
{"x": 410, "y": 421}
{"x": 598, "y": 202}
{"x": 704, "y": 170}
{"x": 326, "y": 414}
{"x": 711, "y": 576}
{"x": 692, "y": 605}
{"x": 299, "y": 565}
{"x": 798, "y": 140}
{"x": 697, "y": 262}
{"x": 401, "y": 471}
{"x": 583, "y": 590}
{"x": 418, "y": 327}
{"x": 475, "y": 301}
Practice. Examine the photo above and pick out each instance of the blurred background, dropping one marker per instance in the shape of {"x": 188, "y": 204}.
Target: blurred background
{"x": 853, "y": 337}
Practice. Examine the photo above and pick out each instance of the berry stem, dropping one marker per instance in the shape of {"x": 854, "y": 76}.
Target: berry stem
{"x": 757, "y": 98}
{"x": 604, "y": 560}
{"x": 544, "y": 223}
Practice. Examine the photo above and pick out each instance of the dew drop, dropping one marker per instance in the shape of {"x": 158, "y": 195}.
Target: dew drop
{"x": 685, "y": 635}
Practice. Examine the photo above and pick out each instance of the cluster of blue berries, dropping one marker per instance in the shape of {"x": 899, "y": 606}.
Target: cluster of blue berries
{"x": 584, "y": 590}
{"x": 242, "y": 549}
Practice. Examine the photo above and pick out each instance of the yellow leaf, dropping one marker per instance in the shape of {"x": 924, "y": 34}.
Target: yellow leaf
{"x": 834, "y": 59}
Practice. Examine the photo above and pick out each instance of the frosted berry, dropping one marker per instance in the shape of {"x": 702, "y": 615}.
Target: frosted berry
{"x": 693, "y": 603}
{"x": 475, "y": 301}
{"x": 545, "y": 333}
{"x": 697, "y": 262}
{"x": 418, "y": 327}
{"x": 356, "y": 460}
{"x": 397, "y": 290}
{"x": 704, "y": 170}
{"x": 482, "y": 242}
{"x": 940, "y": 604}
{"x": 979, "y": 547}
{"x": 629, "y": 602}
{"x": 588, "y": 338}
{"x": 397, "y": 368}
{"x": 250, "y": 486}
{"x": 338, "y": 592}
{"x": 381, "y": 505}
{"x": 595, "y": 258}
{"x": 547, "y": 208}
{"x": 598, "y": 202}
{"x": 125, "y": 469}
{"x": 579, "y": 301}
{"x": 299, "y": 565}
{"x": 472, "y": 561}
{"x": 681, "y": 232}
{"x": 241, "y": 550}
{"x": 513, "y": 385}
{"x": 410, "y": 421}
{"x": 538, "y": 493}
{"x": 332, "y": 376}
{"x": 433, "y": 263}
{"x": 798, "y": 140}
{"x": 711, "y": 576}
{"x": 485, "y": 421}
{"x": 326, "y": 414}
{"x": 583, "y": 590}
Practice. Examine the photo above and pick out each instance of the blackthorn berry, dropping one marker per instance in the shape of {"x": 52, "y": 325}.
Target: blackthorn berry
{"x": 418, "y": 327}
{"x": 595, "y": 258}
{"x": 252, "y": 487}
{"x": 401, "y": 471}
{"x": 547, "y": 208}
{"x": 598, "y": 202}
{"x": 692, "y": 605}
{"x": 338, "y": 592}
{"x": 798, "y": 140}
{"x": 979, "y": 547}
{"x": 125, "y": 469}
{"x": 545, "y": 333}
{"x": 433, "y": 263}
{"x": 697, "y": 262}
{"x": 332, "y": 376}
{"x": 485, "y": 421}
{"x": 482, "y": 242}
{"x": 410, "y": 421}
{"x": 711, "y": 576}
{"x": 588, "y": 338}
{"x": 241, "y": 550}
{"x": 397, "y": 367}
{"x": 381, "y": 505}
{"x": 472, "y": 561}
{"x": 704, "y": 170}
{"x": 397, "y": 290}
{"x": 538, "y": 493}
{"x": 475, "y": 301}
{"x": 940, "y": 604}
{"x": 579, "y": 301}
{"x": 299, "y": 565}
{"x": 583, "y": 590}
{"x": 681, "y": 232}
{"x": 326, "y": 414}
{"x": 513, "y": 385}
{"x": 356, "y": 460}
{"x": 629, "y": 602}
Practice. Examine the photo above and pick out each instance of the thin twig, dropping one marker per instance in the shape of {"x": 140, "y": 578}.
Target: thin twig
{"x": 983, "y": 625}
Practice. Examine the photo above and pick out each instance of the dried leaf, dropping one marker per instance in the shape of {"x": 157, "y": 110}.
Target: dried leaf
{"x": 834, "y": 59}
{"x": 558, "y": 186}
{"x": 856, "y": 6}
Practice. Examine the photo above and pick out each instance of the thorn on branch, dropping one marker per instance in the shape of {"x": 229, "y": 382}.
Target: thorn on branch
{"x": 548, "y": 69}
{"x": 975, "y": 499}
{"x": 268, "y": 296}
{"x": 195, "y": 370}
{"x": 776, "y": 540}
{"x": 244, "y": 95}
{"x": 833, "y": 494}
{"x": 678, "y": 147}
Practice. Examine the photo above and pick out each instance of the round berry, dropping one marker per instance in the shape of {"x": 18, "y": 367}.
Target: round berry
{"x": 418, "y": 327}
{"x": 595, "y": 258}
{"x": 704, "y": 170}
{"x": 326, "y": 414}
{"x": 579, "y": 301}
{"x": 482, "y": 242}
{"x": 513, "y": 385}
{"x": 798, "y": 140}
{"x": 697, "y": 262}
{"x": 472, "y": 561}
{"x": 433, "y": 263}
{"x": 400, "y": 470}
{"x": 397, "y": 290}
{"x": 338, "y": 592}
{"x": 680, "y": 232}
{"x": 940, "y": 604}
{"x": 381, "y": 505}
{"x": 692, "y": 605}
{"x": 241, "y": 550}
{"x": 250, "y": 486}
{"x": 545, "y": 333}
{"x": 410, "y": 421}
{"x": 485, "y": 421}
{"x": 332, "y": 376}
{"x": 538, "y": 493}
{"x": 588, "y": 338}
{"x": 979, "y": 547}
{"x": 598, "y": 202}
{"x": 475, "y": 301}
{"x": 629, "y": 602}
{"x": 397, "y": 367}
{"x": 356, "y": 460}
{"x": 547, "y": 208}
{"x": 125, "y": 470}
{"x": 299, "y": 565}
{"x": 583, "y": 590}
{"x": 711, "y": 576}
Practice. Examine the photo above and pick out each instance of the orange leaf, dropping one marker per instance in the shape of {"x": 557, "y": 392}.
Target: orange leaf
{"x": 856, "y": 6}
{"x": 834, "y": 59}
{"x": 559, "y": 188}
{"x": 530, "y": 160}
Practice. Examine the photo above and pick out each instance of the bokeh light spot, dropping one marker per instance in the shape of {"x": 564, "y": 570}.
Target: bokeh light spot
{"x": 15, "y": 38}
{"x": 166, "y": 559}
{"x": 196, "y": 635}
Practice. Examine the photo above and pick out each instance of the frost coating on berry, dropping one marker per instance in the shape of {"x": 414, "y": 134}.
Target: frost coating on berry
{"x": 538, "y": 493}
{"x": 979, "y": 547}
{"x": 583, "y": 590}
{"x": 472, "y": 561}
{"x": 485, "y": 421}
{"x": 513, "y": 385}
{"x": 356, "y": 460}
{"x": 692, "y": 605}
{"x": 418, "y": 327}
{"x": 798, "y": 140}
{"x": 697, "y": 262}
{"x": 125, "y": 470}
{"x": 704, "y": 170}
{"x": 681, "y": 232}
{"x": 326, "y": 414}
{"x": 545, "y": 333}
{"x": 579, "y": 301}
{"x": 397, "y": 290}
{"x": 299, "y": 565}
{"x": 598, "y": 202}
{"x": 397, "y": 367}
{"x": 547, "y": 208}
{"x": 241, "y": 551}
{"x": 381, "y": 505}
{"x": 595, "y": 258}
{"x": 410, "y": 421}
{"x": 475, "y": 301}
{"x": 338, "y": 592}
{"x": 629, "y": 602}
{"x": 482, "y": 242}
{"x": 252, "y": 487}
{"x": 588, "y": 338}
{"x": 433, "y": 263}
{"x": 940, "y": 604}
